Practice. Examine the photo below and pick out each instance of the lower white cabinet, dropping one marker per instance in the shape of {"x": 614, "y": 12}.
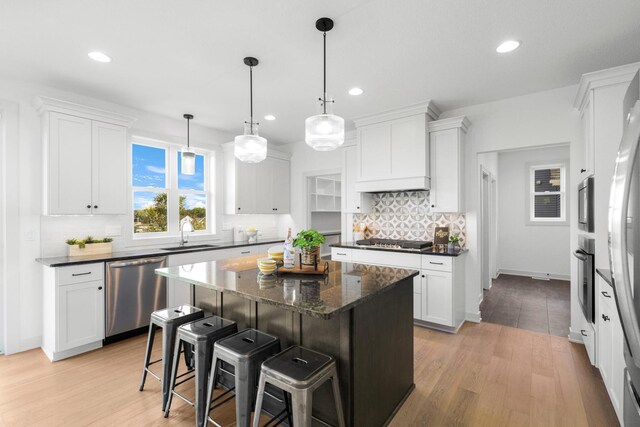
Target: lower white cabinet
{"x": 610, "y": 345}
{"x": 73, "y": 310}
{"x": 438, "y": 291}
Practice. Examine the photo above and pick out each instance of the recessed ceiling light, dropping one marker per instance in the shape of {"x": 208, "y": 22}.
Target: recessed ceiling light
{"x": 508, "y": 46}
{"x": 269, "y": 117}
{"x": 99, "y": 56}
{"x": 355, "y": 91}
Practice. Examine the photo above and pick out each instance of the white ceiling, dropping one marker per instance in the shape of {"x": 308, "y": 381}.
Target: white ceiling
{"x": 171, "y": 57}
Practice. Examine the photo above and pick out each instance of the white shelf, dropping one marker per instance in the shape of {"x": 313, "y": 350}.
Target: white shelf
{"x": 324, "y": 194}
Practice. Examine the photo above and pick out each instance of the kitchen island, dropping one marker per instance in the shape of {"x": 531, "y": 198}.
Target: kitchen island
{"x": 359, "y": 314}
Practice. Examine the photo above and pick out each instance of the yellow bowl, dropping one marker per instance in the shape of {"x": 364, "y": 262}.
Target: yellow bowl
{"x": 266, "y": 265}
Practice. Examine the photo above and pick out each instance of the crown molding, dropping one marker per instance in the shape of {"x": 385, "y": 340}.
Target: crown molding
{"x": 609, "y": 76}
{"x": 428, "y": 108}
{"x": 460, "y": 122}
{"x": 44, "y": 104}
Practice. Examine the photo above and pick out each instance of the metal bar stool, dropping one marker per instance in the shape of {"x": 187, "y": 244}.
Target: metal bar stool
{"x": 201, "y": 334}
{"x": 299, "y": 371}
{"x": 169, "y": 320}
{"x": 244, "y": 351}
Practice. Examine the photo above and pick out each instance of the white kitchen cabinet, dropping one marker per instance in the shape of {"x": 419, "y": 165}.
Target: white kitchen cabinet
{"x": 86, "y": 159}
{"x": 256, "y": 188}
{"x": 73, "y": 310}
{"x": 610, "y": 345}
{"x": 353, "y": 201}
{"x": 587, "y": 127}
{"x": 438, "y": 291}
{"x": 447, "y": 164}
{"x": 393, "y": 149}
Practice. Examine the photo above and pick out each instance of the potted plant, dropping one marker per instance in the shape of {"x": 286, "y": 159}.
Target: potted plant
{"x": 454, "y": 243}
{"x": 89, "y": 246}
{"x": 309, "y": 242}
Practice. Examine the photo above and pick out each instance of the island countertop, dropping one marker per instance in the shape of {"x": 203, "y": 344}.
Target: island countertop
{"x": 344, "y": 287}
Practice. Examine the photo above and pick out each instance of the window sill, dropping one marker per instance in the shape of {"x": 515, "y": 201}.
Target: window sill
{"x": 564, "y": 223}
{"x": 137, "y": 242}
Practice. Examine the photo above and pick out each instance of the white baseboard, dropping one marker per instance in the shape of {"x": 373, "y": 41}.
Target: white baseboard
{"x": 54, "y": 356}
{"x": 575, "y": 336}
{"x": 473, "y": 317}
{"x": 30, "y": 343}
{"x": 536, "y": 274}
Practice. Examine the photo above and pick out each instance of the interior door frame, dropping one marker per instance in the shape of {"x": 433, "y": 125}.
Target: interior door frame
{"x": 487, "y": 214}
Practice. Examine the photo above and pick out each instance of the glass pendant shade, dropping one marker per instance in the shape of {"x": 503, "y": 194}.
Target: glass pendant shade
{"x": 324, "y": 131}
{"x": 250, "y": 147}
{"x": 188, "y": 166}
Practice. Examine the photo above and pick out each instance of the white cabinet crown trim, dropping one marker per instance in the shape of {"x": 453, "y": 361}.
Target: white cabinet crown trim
{"x": 44, "y": 104}
{"x": 609, "y": 76}
{"x": 427, "y": 107}
{"x": 461, "y": 122}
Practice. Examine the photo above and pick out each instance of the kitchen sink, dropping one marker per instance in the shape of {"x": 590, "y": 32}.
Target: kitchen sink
{"x": 188, "y": 247}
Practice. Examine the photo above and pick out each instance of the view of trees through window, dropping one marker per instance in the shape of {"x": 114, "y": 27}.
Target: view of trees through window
{"x": 151, "y": 202}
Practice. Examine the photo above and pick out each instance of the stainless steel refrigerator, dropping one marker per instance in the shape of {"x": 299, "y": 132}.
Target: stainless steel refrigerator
{"x": 624, "y": 241}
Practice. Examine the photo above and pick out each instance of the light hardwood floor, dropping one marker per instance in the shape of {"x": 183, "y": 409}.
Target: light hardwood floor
{"x": 486, "y": 375}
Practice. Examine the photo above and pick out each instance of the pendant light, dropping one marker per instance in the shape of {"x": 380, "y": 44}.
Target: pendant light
{"x": 188, "y": 155}
{"x": 325, "y": 131}
{"x": 250, "y": 147}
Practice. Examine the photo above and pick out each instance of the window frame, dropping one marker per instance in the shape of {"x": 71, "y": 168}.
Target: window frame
{"x": 564, "y": 208}
{"x": 173, "y": 193}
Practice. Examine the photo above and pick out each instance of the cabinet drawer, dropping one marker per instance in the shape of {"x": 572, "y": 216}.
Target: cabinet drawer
{"x": 80, "y": 273}
{"x": 438, "y": 263}
{"x": 341, "y": 254}
{"x": 392, "y": 259}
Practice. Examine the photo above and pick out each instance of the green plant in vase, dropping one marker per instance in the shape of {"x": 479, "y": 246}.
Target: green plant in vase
{"x": 309, "y": 242}
{"x": 454, "y": 242}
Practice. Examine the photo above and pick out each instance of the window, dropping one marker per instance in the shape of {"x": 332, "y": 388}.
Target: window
{"x": 162, "y": 195}
{"x": 547, "y": 185}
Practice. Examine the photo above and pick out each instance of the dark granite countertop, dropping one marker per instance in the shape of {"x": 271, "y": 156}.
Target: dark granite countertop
{"x": 63, "y": 261}
{"x": 351, "y": 245}
{"x": 346, "y": 285}
{"x": 606, "y": 275}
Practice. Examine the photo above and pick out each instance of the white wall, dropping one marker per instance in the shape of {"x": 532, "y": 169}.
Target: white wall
{"x": 527, "y": 249}
{"x": 533, "y": 120}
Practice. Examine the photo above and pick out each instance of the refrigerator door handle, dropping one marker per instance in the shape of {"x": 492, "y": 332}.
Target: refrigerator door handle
{"x": 618, "y": 205}
{"x": 580, "y": 255}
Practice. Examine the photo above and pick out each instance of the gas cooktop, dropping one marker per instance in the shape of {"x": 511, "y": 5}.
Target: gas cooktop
{"x": 409, "y": 245}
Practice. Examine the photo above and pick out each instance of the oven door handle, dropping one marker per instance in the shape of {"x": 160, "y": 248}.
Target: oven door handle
{"x": 580, "y": 255}
{"x": 618, "y": 205}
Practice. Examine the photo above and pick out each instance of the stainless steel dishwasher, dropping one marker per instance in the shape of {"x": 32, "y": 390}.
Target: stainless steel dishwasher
{"x": 134, "y": 291}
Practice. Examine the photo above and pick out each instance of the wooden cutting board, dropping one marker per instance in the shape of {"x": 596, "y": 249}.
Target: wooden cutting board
{"x": 305, "y": 269}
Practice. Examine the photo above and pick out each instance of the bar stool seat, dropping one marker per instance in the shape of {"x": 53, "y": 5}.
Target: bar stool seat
{"x": 201, "y": 334}
{"x": 245, "y": 352}
{"x": 299, "y": 371}
{"x": 169, "y": 320}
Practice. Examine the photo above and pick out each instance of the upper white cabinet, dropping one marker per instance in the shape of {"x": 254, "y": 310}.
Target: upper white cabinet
{"x": 393, "y": 149}
{"x": 85, "y": 159}
{"x": 256, "y": 188}
{"x": 353, "y": 201}
{"x": 447, "y": 164}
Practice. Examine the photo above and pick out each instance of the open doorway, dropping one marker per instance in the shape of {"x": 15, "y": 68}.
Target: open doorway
{"x": 524, "y": 238}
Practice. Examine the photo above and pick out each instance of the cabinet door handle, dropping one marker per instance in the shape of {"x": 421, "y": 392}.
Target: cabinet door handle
{"x": 338, "y": 253}
{"x": 245, "y": 252}
{"x": 605, "y": 318}
{"x": 80, "y": 274}
{"x": 95, "y": 206}
{"x": 423, "y": 276}
{"x": 436, "y": 263}
{"x": 605, "y": 294}
{"x": 433, "y": 206}
{"x": 238, "y": 208}
{"x": 584, "y": 333}
{"x": 583, "y": 170}
{"x": 88, "y": 206}
{"x": 358, "y": 207}
{"x": 99, "y": 288}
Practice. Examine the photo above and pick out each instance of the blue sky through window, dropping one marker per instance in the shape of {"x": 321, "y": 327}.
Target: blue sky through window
{"x": 191, "y": 182}
{"x": 143, "y": 199}
{"x": 195, "y": 201}
{"x": 149, "y": 166}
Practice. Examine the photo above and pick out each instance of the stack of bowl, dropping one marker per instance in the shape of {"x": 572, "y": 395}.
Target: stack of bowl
{"x": 276, "y": 253}
{"x": 266, "y": 265}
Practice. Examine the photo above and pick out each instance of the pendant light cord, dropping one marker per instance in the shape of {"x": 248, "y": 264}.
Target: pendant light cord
{"x": 324, "y": 83}
{"x": 251, "y": 98}
{"x": 188, "y": 120}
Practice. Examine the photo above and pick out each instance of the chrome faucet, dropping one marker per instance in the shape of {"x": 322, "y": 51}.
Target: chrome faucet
{"x": 185, "y": 225}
